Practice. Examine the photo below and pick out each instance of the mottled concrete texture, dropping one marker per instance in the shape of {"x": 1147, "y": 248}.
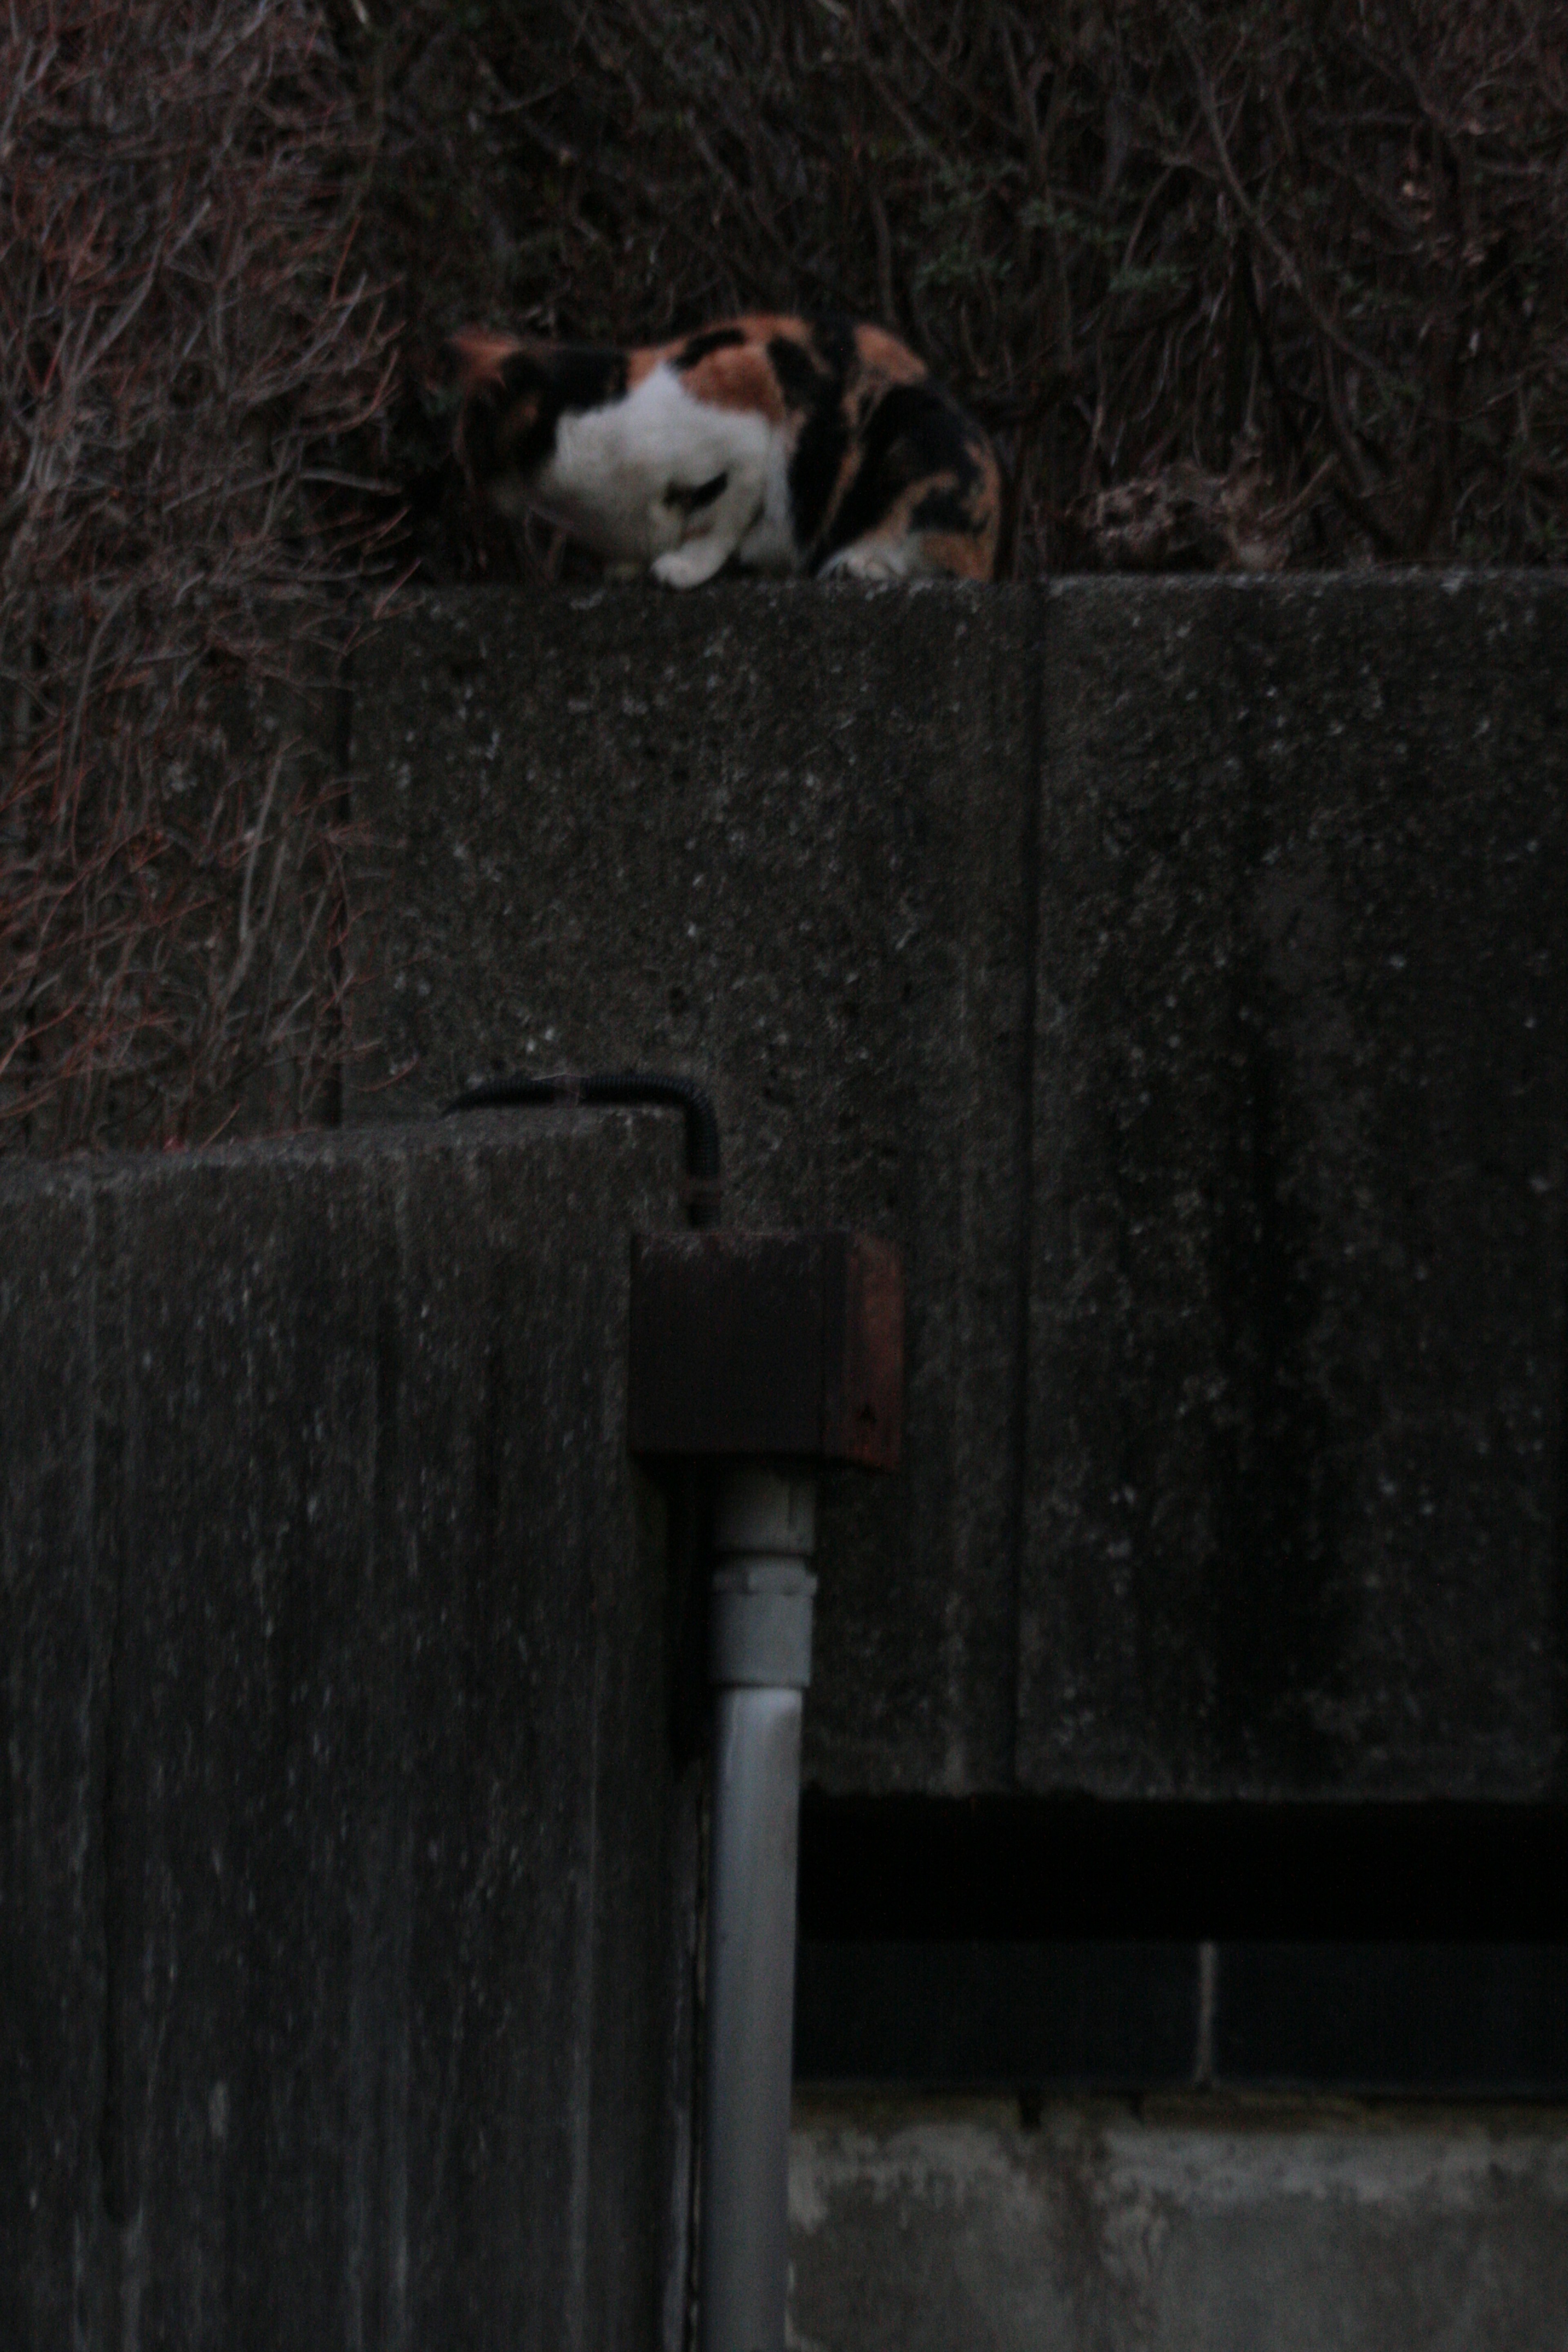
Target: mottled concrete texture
{"x": 1201, "y": 2223}
{"x": 1295, "y": 1518}
{"x": 343, "y": 1960}
{"x": 777, "y": 841}
{"x": 1174, "y": 969}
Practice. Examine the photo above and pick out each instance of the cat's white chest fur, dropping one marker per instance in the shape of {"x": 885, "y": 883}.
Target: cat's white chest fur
{"x": 616, "y": 478}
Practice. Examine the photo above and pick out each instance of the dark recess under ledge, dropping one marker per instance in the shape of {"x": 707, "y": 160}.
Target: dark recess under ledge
{"x": 985, "y": 1944}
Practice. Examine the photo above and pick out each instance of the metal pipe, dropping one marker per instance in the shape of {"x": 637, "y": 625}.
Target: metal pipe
{"x": 760, "y": 1663}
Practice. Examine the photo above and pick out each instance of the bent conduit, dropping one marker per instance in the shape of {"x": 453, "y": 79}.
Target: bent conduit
{"x": 630, "y": 1089}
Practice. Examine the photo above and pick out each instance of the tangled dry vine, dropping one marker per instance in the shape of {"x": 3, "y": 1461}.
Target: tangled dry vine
{"x": 1234, "y": 285}
{"x": 187, "y": 340}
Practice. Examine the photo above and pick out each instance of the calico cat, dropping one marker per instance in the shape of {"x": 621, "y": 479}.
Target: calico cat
{"x": 794, "y": 444}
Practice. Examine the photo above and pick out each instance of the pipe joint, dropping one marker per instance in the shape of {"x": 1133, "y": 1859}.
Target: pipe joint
{"x": 764, "y": 1532}
{"x": 759, "y": 1625}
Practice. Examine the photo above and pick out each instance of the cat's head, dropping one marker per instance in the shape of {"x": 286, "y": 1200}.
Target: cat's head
{"x": 509, "y": 405}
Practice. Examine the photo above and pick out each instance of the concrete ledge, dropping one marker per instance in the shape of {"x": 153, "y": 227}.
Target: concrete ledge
{"x": 1230, "y": 2224}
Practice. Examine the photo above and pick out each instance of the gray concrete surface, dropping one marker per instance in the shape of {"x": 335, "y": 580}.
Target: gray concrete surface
{"x": 778, "y": 842}
{"x": 345, "y": 1953}
{"x": 1233, "y": 2226}
{"x": 1295, "y": 1516}
{"x": 1174, "y": 969}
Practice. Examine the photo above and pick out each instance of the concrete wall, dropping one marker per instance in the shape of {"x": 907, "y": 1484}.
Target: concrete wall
{"x": 348, "y": 1880}
{"x": 1176, "y": 969}
{"x": 921, "y": 2227}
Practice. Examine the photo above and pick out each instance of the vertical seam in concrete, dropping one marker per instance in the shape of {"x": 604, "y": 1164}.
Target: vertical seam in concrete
{"x": 404, "y": 2275}
{"x": 1023, "y": 1226}
{"x": 95, "y": 1734}
{"x": 1557, "y": 1770}
{"x": 113, "y": 2186}
{"x": 579, "y": 2207}
{"x": 1557, "y": 1567}
{"x": 583, "y": 2086}
{"x": 1207, "y": 2004}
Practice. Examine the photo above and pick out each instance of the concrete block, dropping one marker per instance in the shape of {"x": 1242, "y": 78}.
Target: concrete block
{"x": 366, "y": 1915}
{"x": 1229, "y": 2225}
{"x": 1228, "y": 1063}
{"x": 776, "y": 838}
{"x": 1294, "y": 1514}
{"x": 52, "y": 1957}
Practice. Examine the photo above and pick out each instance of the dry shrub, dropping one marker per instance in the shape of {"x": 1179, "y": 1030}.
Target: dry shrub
{"x": 1233, "y": 284}
{"x": 187, "y": 341}
{"x": 1283, "y": 279}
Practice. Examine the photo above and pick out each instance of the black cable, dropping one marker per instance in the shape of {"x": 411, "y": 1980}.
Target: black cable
{"x": 631, "y": 1089}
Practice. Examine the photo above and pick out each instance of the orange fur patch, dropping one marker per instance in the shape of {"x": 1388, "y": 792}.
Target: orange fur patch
{"x": 849, "y": 465}
{"x": 887, "y": 357}
{"x": 965, "y": 558}
{"x": 964, "y": 555}
{"x": 986, "y": 506}
{"x": 762, "y": 326}
{"x": 739, "y": 376}
{"x": 481, "y": 356}
{"x": 641, "y": 362}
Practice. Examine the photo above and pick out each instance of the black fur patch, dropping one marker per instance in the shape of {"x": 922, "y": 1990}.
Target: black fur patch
{"x": 502, "y": 436}
{"x": 510, "y": 428}
{"x": 588, "y": 379}
{"x": 814, "y": 469}
{"x": 487, "y": 444}
{"x": 943, "y": 509}
{"x": 814, "y": 384}
{"x": 833, "y": 340}
{"x": 712, "y": 339}
{"x": 916, "y": 431}
{"x": 693, "y": 502}
{"x": 804, "y": 383}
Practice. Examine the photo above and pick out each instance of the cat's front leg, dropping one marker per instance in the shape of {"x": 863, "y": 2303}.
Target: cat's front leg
{"x": 872, "y": 558}
{"x": 712, "y": 538}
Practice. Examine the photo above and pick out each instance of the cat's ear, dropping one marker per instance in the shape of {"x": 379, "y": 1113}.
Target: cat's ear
{"x": 476, "y": 359}
{"x": 497, "y": 397}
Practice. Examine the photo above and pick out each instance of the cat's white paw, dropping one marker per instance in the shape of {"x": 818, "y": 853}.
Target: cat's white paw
{"x": 690, "y": 566}
{"x": 862, "y": 563}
